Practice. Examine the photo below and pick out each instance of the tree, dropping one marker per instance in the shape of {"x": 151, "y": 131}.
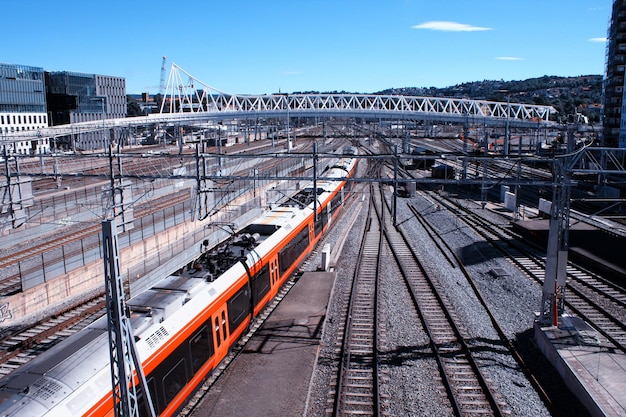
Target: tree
{"x": 133, "y": 109}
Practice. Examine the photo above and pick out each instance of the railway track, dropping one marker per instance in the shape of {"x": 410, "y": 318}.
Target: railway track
{"x": 11, "y": 284}
{"x": 356, "y": 388}
{"x": 598, "y": 301}
{"x": 357, "y": 379}
{"x": 19, "y": 347}
{"x": 469, "y": 390}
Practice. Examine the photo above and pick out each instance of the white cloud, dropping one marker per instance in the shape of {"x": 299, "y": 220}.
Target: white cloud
{"x": 603, "y": 40}
{"x": 509, "y": 58}
{"x": 449, "y": 26}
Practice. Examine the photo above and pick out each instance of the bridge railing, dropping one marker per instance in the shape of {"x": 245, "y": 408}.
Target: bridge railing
{"x": 281, "y": 103}
{"x": 191, "y": 95}
{"x": 193, "y": 100}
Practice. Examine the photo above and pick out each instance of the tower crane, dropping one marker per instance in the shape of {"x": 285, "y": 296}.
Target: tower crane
{"x": 162, "y": 81}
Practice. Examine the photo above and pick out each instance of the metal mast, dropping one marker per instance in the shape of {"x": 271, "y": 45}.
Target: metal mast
{"x": 122, "y": 348}
{"x": 553, "y": 296}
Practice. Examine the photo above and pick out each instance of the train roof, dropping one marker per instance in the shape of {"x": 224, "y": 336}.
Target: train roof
{"x": 49, "y": 378}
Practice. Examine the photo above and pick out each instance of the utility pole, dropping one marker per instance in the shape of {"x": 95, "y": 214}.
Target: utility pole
{"x": 465, "y": 137}
{"x": 288, "y": 136}
{"x": 314, "y": 182}
{"x": 122, "y": 348}
{"x": 395, "y": 184}
{"x": 507, "y": 128}
{"x": 553, "y": 296}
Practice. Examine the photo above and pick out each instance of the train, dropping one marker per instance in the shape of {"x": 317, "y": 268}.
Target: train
{"x": 442, "y": 171}
{"x": 185, "y": 324}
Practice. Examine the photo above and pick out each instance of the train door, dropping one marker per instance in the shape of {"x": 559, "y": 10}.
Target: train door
{"x": 220, "y": 332}
{"x": 274, "y": 275}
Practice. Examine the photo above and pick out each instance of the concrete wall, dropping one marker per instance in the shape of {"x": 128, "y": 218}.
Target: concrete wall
{"x": 160, "y": 254}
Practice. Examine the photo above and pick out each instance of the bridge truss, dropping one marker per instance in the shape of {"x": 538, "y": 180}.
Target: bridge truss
{"x": 189, "y": 100}
{"x": 191, "y": 95}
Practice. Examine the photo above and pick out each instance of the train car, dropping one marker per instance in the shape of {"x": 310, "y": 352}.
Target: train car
{"x": 406, "y": 188}
{"x": 421, "y": 158}
{"x": 442, "y": 171}
{"x": 349, "y": 150}
{"x": 184, "y": 325}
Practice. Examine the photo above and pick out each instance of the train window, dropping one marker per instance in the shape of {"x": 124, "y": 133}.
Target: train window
{"x": 322, "y": 219}
{"x": 273, "y": 270}
{"x": 200, "y": 348}
{"x": 336, "y": 202}
{"x": 288, "y": 255}
{"x": 217, "y": 332}
{"x": 143, "y": 409}
{"x": 260, "y": 284}
{"x": 238, "y": 308}
{"x": 174, "y": 381}
{"x": 225, "y": 334}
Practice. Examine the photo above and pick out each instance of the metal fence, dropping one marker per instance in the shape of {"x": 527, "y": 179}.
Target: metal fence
{"x": 81, "y": 252}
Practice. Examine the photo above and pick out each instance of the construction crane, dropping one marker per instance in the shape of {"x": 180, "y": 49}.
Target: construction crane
{"x": 162, "y": 82}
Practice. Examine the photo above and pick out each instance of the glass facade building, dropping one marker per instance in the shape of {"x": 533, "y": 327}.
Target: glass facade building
{"x": 31, "y": 99}
{"x": 613, "y": 117}
{"x": 22, "y": 106}
{"x": 22, "y": 89}
{"x": 76, "y": 97}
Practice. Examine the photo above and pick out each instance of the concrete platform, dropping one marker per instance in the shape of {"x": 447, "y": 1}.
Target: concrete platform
{"x": 594, "y": 372}
{"x": 271, "y": 376}
{"x": 587, "y": 244}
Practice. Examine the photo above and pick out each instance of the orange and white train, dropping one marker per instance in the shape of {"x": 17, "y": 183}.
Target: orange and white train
{"x": 186, "y": 323}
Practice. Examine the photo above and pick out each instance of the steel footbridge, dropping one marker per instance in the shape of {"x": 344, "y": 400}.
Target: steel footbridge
{"x": 190, "y": 101}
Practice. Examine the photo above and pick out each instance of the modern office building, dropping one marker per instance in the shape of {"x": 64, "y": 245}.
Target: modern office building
{"x": 75, "y": 97}
{"x": 614, "y": 122}
{"x": 22, "y": 107}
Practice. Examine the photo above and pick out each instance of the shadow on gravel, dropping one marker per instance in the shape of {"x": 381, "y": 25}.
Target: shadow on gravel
{"x": 403, "y": 354}
{"x": 564, "y": 403}
{"x": 477, "y": 253}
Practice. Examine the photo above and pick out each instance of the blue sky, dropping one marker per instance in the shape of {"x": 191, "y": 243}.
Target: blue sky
{"x": 266, "y": 46}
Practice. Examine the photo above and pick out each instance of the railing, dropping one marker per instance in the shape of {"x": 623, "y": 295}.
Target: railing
{"x": 205, "y": 105}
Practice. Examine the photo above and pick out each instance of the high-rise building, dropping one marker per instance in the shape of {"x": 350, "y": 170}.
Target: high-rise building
{"x": 614, "y": 124}
{"x": 76, "y": 97}
{"x": 22, "y": 107}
